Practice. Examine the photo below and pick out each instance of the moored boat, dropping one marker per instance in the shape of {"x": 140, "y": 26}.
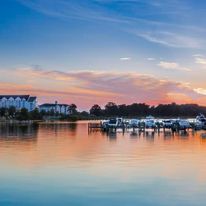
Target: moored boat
{"x": 134, "y": 123}
{"x": 150, "y": 122}
{"x": 180, "y": 124}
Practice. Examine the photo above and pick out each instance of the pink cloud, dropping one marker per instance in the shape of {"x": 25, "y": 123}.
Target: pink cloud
{"x": 88, "y": 87}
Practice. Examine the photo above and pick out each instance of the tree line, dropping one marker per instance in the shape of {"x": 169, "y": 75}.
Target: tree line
{"x": 142, "y": 110}
{"x": 111, "y": 109}
{"x": 23, "y": 114}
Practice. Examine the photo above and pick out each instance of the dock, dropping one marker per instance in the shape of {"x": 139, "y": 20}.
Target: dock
{"x": 125, "y": 127}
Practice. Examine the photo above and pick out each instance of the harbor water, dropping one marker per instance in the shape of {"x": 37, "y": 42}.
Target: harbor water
{"x": 64, "y": 164}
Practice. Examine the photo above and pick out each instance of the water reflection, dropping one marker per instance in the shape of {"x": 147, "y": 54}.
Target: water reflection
{"x": 65, "y": 165}
{"x": 112, "y": 136}
{"x": 59, "y": 128}
{"x": 168, "y": 135}
{"x": 20, "y": 132}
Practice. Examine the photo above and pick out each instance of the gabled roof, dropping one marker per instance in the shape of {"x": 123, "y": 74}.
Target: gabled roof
{"x": 15, "y": 96}
{"x": 53, "y": 105}
{"x": 47, "y": 105}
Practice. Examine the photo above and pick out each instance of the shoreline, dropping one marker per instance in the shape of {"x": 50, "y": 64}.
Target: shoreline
{"x": 20, "y": 122}
{"x": 28, "y": 122}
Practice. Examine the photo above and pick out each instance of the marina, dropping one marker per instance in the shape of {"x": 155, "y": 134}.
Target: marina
{"x": 149, "y": 123}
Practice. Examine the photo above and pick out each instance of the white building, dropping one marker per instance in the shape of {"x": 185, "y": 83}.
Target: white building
{"x": 56, "y": 108}
{"x": 18, "y": 101}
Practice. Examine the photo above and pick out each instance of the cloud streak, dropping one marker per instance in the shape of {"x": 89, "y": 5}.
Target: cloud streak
{"x": 200, "y": 60}
{"x": 125, "y": 58}
{"x": 170, "y": 39}
{"x": 151, "y": 59}
{"x": 131, "y": 18}
{"x": 172, "y": 66}
{"x": 200, "y": 91}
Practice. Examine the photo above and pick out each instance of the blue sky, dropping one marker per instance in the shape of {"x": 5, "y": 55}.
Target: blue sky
{"x": 159, "y": 38}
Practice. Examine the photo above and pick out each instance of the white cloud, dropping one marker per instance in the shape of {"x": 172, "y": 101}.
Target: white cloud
{"x": 172, "y": 66}
{"x": 125, "y": 58}
{"x": 150, "y": 59}
{"x": 200, "y": 91}
{"x": 199, "y": 60}
{"x": 197, "y": 55}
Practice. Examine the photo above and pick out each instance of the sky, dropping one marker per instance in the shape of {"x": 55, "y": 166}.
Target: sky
{"x": 96, "y": 51}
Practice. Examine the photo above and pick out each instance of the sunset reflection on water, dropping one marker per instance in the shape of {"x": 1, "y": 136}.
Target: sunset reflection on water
{"x": 65, "y": 164}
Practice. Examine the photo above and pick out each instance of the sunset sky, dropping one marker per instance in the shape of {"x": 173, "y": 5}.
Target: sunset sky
{"x": 95, "y": 51}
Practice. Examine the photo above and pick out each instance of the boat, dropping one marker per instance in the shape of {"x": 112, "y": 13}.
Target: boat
{"x": 134, "y": 122}
{"x": 159, "y": 123}
{"x": 150, "y": 117}
{"x": 201, "y": 118}
{"x": 168, "y": 123}
{"x": 196, "y": 124}
{"x": 104, "y": 124}
{"x": 180, "y": 124}
{"x": 150, "y": 122}
{"x": 115, "y": 122}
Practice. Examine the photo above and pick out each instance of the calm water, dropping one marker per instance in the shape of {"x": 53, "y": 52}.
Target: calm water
{"x": 61, "y": 164}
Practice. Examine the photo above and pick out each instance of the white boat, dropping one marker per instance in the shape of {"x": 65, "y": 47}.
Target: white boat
{"x": 104, "y": 123}
{"x": 159, "y": 123}
{"x": 150, "y": 117}
{"x": 198, "y": 125}
{"x": 115, "y": 122}
{"x": 184, "y": 124}
{"x": 201, "y": 118}
{"x": 134, "y": 122}
{"x": 150, "y": 122}
{"x": 181, "y": 124}
{"x": 168, "y": 123}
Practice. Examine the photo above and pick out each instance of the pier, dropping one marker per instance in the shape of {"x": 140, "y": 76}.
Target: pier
{"x": 141, "y": 127}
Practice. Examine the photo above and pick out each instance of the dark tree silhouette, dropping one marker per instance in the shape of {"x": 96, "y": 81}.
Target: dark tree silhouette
{"x": 73, "y": 108}
{"x": 3, "y": 111}
{"x": 96, "y": 110}
{"x": 12, "y": 111}
{"x": 111, "y": 109}
{"x": 23, "y": 114}
{"x": 35, "y": 115}
{"x": 142, "y": 110}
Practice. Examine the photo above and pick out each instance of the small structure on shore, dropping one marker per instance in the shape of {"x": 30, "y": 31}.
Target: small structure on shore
{"x": 56, "y": 108}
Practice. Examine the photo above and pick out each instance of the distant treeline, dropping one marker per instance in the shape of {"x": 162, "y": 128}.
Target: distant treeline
{"x": 23, "y": 114}
{"x": 12, "y": 114}
{"x": 109, "y": 110}
{"x": 142, "y": 110}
